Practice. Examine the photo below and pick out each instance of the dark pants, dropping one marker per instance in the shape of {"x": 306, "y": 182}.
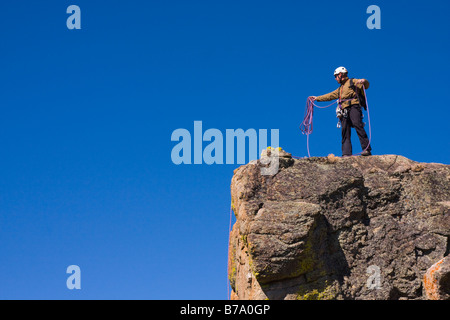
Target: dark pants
{"x": 353, "y": 119}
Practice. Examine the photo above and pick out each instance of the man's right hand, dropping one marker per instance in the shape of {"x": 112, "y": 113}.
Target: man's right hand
{"x": 313, "y": 98}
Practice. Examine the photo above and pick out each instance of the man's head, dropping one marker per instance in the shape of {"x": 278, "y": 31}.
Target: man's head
{"x": 341, "y": 74}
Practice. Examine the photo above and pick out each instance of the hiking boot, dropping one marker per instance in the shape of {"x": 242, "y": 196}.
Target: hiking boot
{"x": 366, "y": 153}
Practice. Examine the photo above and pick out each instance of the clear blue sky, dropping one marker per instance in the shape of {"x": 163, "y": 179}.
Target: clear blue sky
{"x": 87, "y": 117}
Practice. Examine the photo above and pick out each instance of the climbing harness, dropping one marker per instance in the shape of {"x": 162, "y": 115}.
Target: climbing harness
{"x": 306, "y": 126}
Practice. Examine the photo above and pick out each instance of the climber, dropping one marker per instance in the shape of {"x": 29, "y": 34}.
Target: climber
{"x": 351, "y": 99}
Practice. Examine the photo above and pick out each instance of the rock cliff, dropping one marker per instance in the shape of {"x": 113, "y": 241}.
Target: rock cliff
{"x": 373, "y": 227}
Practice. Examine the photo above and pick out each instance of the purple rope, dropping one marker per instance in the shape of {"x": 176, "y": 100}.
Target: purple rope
{"x": 368, "y": 120}
{"x": 306, "y": 127}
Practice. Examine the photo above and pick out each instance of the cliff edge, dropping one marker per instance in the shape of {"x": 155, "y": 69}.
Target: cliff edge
{"x": 365, "y": 228}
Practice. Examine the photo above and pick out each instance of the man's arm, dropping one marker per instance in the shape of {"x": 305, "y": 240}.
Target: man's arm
{"x": 327, "y": 97}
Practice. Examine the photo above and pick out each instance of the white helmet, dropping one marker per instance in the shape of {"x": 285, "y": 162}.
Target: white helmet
{"x": 340, "y": 70}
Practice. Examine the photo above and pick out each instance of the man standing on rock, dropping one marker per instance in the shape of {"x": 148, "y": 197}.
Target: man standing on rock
{"x": 351, "y": 99}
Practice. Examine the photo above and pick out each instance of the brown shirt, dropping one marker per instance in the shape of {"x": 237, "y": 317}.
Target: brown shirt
{"x": 344, "y": 92}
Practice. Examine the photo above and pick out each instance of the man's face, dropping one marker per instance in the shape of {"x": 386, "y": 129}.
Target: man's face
{"x": 339, "y": 77}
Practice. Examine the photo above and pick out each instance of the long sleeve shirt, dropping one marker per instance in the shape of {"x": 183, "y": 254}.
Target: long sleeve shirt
{"x": 345, "y": 92}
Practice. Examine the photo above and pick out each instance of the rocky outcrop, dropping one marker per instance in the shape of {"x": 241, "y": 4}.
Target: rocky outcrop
{"x": 341, "y": 228}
